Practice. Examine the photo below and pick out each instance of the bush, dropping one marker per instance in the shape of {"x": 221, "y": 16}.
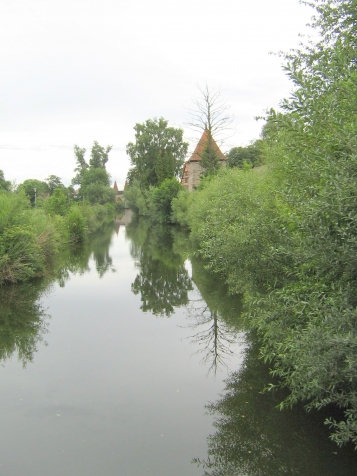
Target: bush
{"x": 234, "y": 221}
{"x": 180, "y": 206}
{"x": 76, "y": 225}
{"x": 138, "y": 199}
{"x": 290, "y": 241}
{"x": 30, "y": 238}
{"x": 21, "y": 255}
{"x": 162, "y": 197}
{"x": 57, "y": 203}
{"x": 12, "y": 207}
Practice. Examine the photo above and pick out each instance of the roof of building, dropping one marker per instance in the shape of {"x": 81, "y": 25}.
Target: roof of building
{"x": 115, "y": 186}
{"x": 200, "y": 147}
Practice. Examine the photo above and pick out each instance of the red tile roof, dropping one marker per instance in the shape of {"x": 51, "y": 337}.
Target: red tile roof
{"x": 200, "y": 147}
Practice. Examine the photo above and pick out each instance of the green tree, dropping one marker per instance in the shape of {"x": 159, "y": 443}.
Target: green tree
{"x": 137, "y": 199}
{"x": 82, "y": 165}
{"x": 157, "y": 154}
{"x": 29, "y": 186}
{"x": 5, "y": 185}
{"x": 58, "y": 202}
{"x": 96, "y": 193}
{"x": 53, "y": 182}
{"x": 251, "y": 155}
{"x": 93, "y": 178}
{"x": 209, "y": 159}
{"x": 162, "y": 197}
{"x": 99, "y": 156}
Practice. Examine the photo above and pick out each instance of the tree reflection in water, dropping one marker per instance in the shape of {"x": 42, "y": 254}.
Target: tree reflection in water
{"x": 75, "y": 259}
{"x": 214, "y": 337}
{"x": 99, "y": 247}
{"x": 216, "y": 316}
{"x": 163, "y": 281}
{"x": 23, "y": 321}
{"x": 254, "y": 438}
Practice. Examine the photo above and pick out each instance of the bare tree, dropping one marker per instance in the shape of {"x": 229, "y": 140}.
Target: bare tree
{"x": 214, "y": 337}
{"x": 210, "y": 116}
{"x": 210, "y": 112}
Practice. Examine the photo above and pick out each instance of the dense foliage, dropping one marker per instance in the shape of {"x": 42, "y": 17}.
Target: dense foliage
{"x": 36, "y": 190}
{"x": 93, "y": 178}
{"x": 39, "y": 219}
{"x": 245, "y": 156}
{"x": 209, "y": 159}
{"x": 154, "y": 203}
{"x": 157, "y": 154}
{"x": 285, "y": 234}
{"x": 5, "y": 185}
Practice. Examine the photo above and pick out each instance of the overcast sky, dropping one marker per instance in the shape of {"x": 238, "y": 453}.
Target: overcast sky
{"x": 76, "y": 71}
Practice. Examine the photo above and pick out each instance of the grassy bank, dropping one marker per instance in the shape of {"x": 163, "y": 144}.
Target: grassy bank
{"x": 30, "y": 238}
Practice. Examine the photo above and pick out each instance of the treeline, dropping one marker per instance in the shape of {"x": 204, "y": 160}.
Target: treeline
{"x": 39, "y": 218}
{"x": 157, "y": 157}
{"x": 285, "y": 235}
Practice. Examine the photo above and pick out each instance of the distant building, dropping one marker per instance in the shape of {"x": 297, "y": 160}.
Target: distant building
{"x": 192, "y": 172}
{"x": 119, "y": 193}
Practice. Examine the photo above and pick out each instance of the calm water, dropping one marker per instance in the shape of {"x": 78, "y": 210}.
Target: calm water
{"x": 129, "y": 360}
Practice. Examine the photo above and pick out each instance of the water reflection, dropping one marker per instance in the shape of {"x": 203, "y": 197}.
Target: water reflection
{"x": 23, "y": 321}
{"x": 216, "y": 319}
{"x": 100, "y": 244}
{"x": 251, "y": 436}
{"x": 164, "y": 284}
{"x": 254, "y": 438}
{"x": 163, "y": 281}
{"x": 75, "y": 260}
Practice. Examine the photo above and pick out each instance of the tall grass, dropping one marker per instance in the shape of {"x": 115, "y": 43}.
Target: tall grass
{"x": 31, "y": 238}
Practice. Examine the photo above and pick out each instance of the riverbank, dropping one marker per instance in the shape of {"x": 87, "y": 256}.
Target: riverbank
{"x": 31, "y": 238}
{"x": 285, "y": 236}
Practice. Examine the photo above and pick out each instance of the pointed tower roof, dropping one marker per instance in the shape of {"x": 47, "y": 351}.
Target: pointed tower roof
{"x": 200, "y": 147}
{"x": 115, "y": 186}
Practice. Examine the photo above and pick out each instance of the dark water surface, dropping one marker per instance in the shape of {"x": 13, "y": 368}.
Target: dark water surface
{"x": 108, "y": 367}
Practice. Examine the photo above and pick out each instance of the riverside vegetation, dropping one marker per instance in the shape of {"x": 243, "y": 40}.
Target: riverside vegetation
{"x": 32, "y": 233}
{"x": 283, "y": 235}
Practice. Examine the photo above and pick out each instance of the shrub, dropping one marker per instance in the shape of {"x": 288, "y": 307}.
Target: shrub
{"x": 12, "y": 207}
{"x": 21, "y": 255}
{"x": 57, "y": 203}
{"x": 137, "y": 199}
{"x": 76, "y": 224}
{"x": 180, "y": 206}
{"x": 162, "y": 197}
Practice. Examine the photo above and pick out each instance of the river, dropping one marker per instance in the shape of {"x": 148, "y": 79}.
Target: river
{"x": 130, "y": 360}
